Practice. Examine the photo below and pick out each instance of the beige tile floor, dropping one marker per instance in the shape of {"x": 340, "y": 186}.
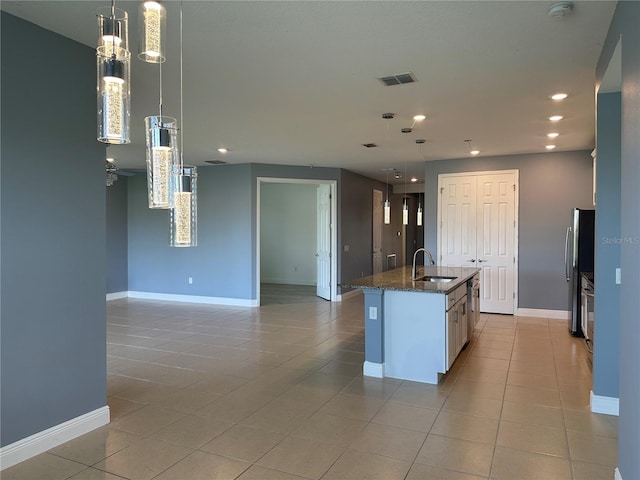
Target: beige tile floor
{"x": 276, "y": 392}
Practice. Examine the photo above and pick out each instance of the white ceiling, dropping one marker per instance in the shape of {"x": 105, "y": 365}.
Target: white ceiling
{"x": 296, "y": 82}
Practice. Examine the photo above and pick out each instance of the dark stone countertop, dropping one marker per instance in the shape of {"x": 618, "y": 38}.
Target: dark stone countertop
{"x": 400, "y": 279}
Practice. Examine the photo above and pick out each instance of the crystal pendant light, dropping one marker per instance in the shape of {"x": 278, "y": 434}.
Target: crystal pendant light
{"x": 161, "y": 142}
{"x": 151, "y": 32}
{"x": 405, "y": 212}
{"x": 161, "y": 153}
{"x": 420, "y": 142}
{"x": 405, "y": 200}
{"x": 113, "y": 61}
{"x": 183, "y": 217}
{"x": 387, "y": 205}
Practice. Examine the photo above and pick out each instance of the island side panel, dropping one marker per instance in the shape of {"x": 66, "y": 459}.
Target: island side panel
{"x": 415, "y": 336}
{"x": 374, "y": 333}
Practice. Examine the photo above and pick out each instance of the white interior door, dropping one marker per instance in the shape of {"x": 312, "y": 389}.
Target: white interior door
{"x": 377, "y": 231}
{"x": 496, "y": 241}
{"x": 323, "y": 255}
{"x": 458, "y": 221}
{"x": 478, "y": 228}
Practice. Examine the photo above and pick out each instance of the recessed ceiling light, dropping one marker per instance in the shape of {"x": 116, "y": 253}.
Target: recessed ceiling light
{"x": 419, "y": 118}
{"x": 559, "y": 96}
{"x": 474, "y": 152}
{"x": 111, "y": 160}
{"x": 550, "y": 147}
{"x": 552, "y": 135}
{"x": 556, "y": 118}
{"x": 223, "y": 150}
{"x": 414, "y": 179}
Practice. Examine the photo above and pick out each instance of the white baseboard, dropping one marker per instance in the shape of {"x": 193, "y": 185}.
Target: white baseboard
{"x": 52, "y": 437}
{"x": 117, "y": 295}
{"x": 606, "y": 405}
{"x": 370, "y": 369}
{"x": 349, "y": 294}
{"x": 539, "y": 313}
{"x": 617, "y": 475}
{"x": 170, "y": 297}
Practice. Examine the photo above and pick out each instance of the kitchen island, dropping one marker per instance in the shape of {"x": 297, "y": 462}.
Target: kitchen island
{"x": 415, "y": 329}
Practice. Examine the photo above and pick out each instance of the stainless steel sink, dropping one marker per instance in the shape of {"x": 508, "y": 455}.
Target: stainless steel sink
{"x": 430, "y": 278}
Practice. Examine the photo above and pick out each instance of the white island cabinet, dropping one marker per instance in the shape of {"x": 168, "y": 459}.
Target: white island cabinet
{"x": 414, "y": 330}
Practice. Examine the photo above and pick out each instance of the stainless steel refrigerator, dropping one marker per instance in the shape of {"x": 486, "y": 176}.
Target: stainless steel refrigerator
{"x": 578, "y": 259}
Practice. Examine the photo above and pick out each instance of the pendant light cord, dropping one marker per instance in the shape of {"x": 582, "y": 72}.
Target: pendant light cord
{"x": 181, "y": 99}
{"x": 113, "y": 29}
{"x": 160, "y": 99}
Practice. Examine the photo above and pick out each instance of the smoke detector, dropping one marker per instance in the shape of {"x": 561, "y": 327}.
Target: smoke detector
{"x": 560, "y": 9}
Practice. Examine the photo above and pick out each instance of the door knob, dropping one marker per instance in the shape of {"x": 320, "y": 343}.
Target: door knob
{"x": 472, "y": 260}
{"x": 481, "y": 261}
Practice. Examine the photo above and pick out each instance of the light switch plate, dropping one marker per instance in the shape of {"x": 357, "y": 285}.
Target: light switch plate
{"x": 373, "y": 313}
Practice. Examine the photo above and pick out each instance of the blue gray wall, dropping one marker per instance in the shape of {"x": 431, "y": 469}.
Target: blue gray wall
{"x": 117, "y": 237}
{"x": 223, "y": 264}
{"x": 220, "y": 265}
{"x": 624, "y": 26}
{"x": 551, "y": 185}
{"x": 607, "y": 258}
{"x": 53, "y": 343}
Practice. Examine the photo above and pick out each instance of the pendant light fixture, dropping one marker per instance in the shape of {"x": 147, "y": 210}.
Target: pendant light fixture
{"x": 162, "y": 155}
{"x": 405, "y": 200}
{"x": 472, "y": 151}
{"x": 183, "y": 218}
{"x": 151, "y": 32}
{"x": 113, "y": 61}
{"x": 161, "y": 143}
{"x": 387, "y": 205}
{"x": 420, "y": 141}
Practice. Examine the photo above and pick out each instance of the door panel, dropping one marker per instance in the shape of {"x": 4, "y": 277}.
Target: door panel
{"x": 323, "y": 255}
{"x": 496, "y": 241}
{"x": 458, "y": 229}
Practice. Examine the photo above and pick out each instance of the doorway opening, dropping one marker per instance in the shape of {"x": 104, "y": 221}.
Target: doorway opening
{"x": 295, "y": 241}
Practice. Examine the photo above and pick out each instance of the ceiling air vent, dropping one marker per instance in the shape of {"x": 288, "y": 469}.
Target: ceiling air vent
{"x": 369, "y": 145}
{"x": 216, "y": 162}
{"x": 398, "y": 79}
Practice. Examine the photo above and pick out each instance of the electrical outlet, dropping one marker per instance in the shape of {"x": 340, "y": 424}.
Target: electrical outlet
{"x": 190, "y": 280}
{"x": 373, "y": 313}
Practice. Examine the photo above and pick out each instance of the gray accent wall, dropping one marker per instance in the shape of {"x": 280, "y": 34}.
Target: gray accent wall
{"x": 117, "y": 236}
{"x": 607, "y": 246}
{"x": 624, "y": 27}
{"x": 221, "y": 264}
{"x": 551, "y": 185}
{"x": 53, "y": 342}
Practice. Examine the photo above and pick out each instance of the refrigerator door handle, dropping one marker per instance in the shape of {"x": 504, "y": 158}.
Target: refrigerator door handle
{"x": 566, "y": 254}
